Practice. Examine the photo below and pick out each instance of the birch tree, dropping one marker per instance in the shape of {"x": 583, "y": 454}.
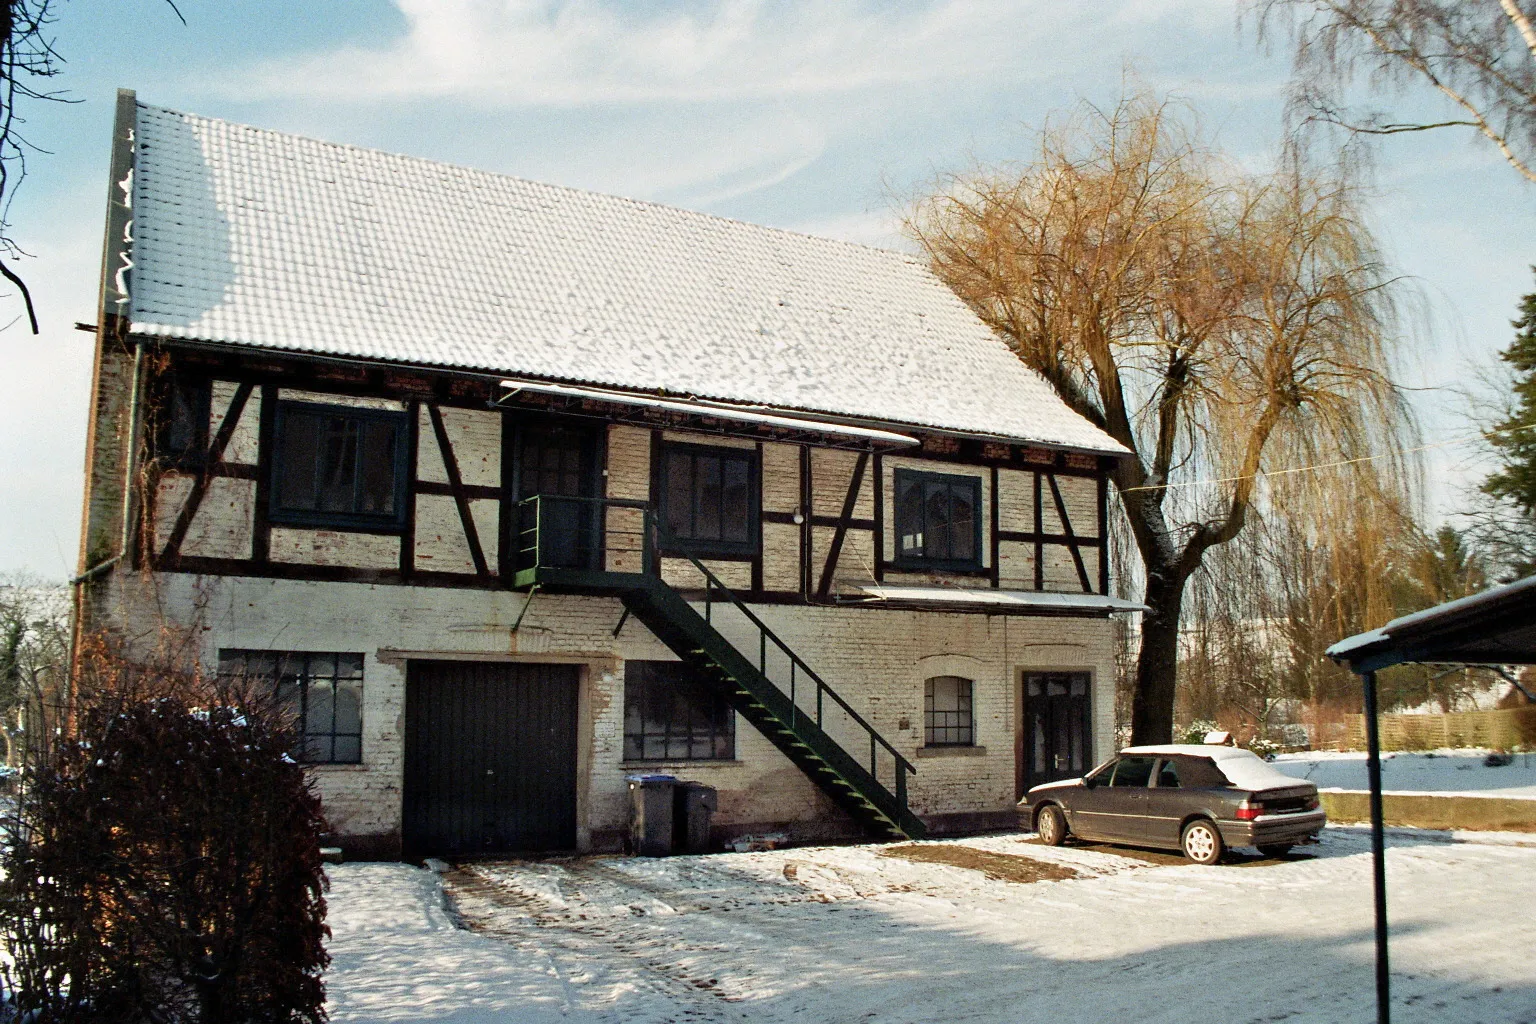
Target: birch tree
{"x": 1218, "y": 324}
{"x": 1479, "y": 56}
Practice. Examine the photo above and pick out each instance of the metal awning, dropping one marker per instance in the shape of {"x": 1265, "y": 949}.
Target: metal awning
{"x": 1496, "y": 627}
{"x": 1005, "y": 601}
{"x": 712, "y": 409}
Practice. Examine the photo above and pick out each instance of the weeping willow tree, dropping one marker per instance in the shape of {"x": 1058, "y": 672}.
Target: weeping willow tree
{"x": 1221, "y": 325}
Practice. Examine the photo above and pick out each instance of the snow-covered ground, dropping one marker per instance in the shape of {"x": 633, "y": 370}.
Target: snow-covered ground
{"x": 1444, "y": 771}
{"x": 849, "y": 934}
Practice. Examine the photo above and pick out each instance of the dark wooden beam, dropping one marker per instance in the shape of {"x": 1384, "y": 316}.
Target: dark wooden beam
{"x": 835, "y": 551}
{"x": 997, "y": 546}
{"x": 212, "y": 457}
{"x": 456, "y": 484}
{"x": 1039, "y": 537}
{"x": 1104, "y": 535}
{"x": 1072, "y": 545}
{"x": 261, "y": 523}
{"x": 412, "y": 488}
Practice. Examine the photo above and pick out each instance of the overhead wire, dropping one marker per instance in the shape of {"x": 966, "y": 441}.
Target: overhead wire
{"x": 1483, "y": 436}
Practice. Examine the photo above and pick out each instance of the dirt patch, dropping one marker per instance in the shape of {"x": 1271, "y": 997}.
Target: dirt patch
{"x": 1233, "y": 858}
{"x": 999, "y": 866}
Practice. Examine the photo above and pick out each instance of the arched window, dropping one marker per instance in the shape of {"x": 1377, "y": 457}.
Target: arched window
{"x": 948, "y": 718}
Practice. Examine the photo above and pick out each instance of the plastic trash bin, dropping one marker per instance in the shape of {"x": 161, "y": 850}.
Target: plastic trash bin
{"x": 695, "y": 802}
{"x": 650, "y": 814}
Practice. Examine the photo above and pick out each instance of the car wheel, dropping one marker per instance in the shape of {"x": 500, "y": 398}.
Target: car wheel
{"x": 1201, "y": 842}
{"x": 1051, "y": 826}
{"x": 1275, "y": 849}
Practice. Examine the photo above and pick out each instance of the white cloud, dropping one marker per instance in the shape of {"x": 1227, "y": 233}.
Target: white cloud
{"x": 575, "y": 52}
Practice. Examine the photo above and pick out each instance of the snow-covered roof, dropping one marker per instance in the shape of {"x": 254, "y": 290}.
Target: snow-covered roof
{"x": 1494, "y": 627}
{"x": 250, "y": 237}
{"x": 1214, "y": 751}
{"x": 1243, "y": 768}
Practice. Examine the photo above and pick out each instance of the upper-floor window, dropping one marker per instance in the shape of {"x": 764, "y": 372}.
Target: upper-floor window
{"x": 339, "y": 466}
{"x": 323, "y": 692}
{"x": 948, "y": 712}
{"x": 709, "y": 498}
{"x": 938, "y": 520}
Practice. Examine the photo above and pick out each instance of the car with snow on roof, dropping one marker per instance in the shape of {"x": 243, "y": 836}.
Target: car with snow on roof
{"x": 1198, "y": 798}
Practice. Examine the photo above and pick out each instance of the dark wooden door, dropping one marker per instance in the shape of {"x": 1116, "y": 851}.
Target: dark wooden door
{"x": 1056, "y": 743}
{"x": 559, "y": 462}
{"x": 490, "y": 758}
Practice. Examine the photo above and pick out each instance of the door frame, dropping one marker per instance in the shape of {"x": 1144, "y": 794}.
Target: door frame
{"x": 512, "y": 423}
{"x": 1021, "y": 708}
{"x": 587, "y": 670}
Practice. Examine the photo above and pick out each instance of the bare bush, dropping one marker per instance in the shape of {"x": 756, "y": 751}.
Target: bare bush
{"x": 163, "y": 862}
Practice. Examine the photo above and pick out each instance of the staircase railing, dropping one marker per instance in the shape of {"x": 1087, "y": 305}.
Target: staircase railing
{"x": 808, "y": 693}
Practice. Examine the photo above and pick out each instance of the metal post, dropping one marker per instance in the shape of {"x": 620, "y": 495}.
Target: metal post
{"x": 1378, "y": 851}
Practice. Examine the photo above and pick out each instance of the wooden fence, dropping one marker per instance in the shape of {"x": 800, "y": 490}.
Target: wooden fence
{"x": 1507, "y": 729}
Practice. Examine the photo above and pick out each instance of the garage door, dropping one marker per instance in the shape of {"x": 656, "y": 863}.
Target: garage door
{"x": 490, "y": 758}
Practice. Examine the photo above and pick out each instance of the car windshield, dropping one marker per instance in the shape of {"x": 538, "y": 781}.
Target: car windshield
{"x": 1133, "y": 771}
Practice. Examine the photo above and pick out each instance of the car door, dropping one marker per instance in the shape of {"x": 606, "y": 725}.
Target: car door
{"x": 1125, "y": 813}
{"x": 1168, "y": 801}
{"x": 1088, "y": 806}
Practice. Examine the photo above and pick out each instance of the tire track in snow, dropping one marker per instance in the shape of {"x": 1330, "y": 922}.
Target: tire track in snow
{"x": 579, "y": 944}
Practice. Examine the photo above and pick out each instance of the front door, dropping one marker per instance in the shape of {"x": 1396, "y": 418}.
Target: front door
{"x": 490, "y": 758}
{"x": 558, "y": 462}
{"x": 1056, "y": 742}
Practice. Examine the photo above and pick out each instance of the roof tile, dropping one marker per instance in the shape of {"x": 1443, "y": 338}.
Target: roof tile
{"x": 251, "y": 237}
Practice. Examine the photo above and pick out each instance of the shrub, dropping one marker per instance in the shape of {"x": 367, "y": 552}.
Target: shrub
{"x": 163, "y": 862}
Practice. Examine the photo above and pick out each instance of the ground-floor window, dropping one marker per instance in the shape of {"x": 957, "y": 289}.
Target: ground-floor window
{"x": 323, "y": 690}
{"x": 672, "y": 713}
{"x": 949, "y": 718}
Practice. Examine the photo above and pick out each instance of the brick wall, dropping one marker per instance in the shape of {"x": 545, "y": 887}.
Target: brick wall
{"x": 878, "y": 660}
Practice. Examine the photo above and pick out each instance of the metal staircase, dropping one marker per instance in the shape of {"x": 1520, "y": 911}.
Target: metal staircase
{"x": 566, "y": 545}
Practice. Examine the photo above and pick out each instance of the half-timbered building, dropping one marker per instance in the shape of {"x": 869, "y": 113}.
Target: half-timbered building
{"x": 514, "y": 490}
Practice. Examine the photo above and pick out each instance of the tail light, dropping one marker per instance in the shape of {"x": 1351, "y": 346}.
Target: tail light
{"x": 1313, "y": 804}
{"x": 1247, "y": 811}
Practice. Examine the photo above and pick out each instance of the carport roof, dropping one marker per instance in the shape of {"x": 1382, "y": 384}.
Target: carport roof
{"x": 1495, "y": 627}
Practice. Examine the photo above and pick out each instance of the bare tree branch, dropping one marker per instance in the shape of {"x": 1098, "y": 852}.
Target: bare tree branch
{"x": 1478, "y": 54}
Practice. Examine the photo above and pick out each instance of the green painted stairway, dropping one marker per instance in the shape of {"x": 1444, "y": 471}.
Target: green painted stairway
{"x": 852, "y": 783}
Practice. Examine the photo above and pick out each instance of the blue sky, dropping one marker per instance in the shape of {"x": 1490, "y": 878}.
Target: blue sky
{"x": 808, "y": 115}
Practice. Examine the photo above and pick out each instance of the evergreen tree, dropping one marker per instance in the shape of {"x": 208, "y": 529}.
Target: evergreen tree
{"x": 1506, "y": 524}
{"x": 1514, "y": 437}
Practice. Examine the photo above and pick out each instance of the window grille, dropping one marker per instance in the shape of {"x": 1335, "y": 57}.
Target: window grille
{"x": 339, "y": 466}
{"x": 938, "y": 520}
{"x": 948, "y": 719}
{"x": 670, "y": 714}
{"x": 323, "y": 691}
{"x": 709, "y": 498}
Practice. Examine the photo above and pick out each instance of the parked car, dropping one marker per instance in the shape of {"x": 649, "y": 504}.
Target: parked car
{"x": 1201, "y": 799}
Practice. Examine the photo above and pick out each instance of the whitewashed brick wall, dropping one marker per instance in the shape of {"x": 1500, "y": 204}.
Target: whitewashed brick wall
{"x": 877, "y": 659}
